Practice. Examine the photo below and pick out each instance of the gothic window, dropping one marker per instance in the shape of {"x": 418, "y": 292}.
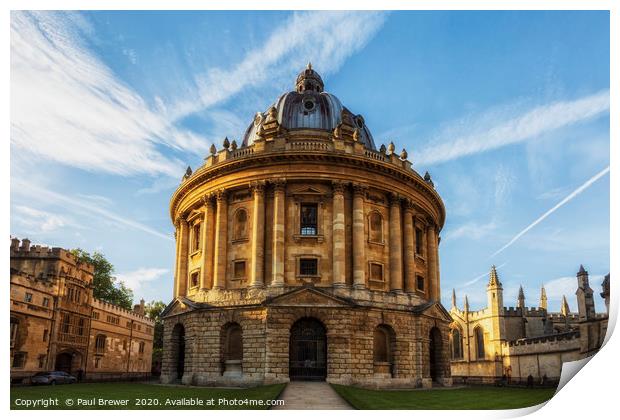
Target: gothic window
{"x": 95, "y": 315}
{"x": 376, "y": 272}
{"x": 308, "y": 267}
{"x": 19, "y": 359}
{"x": 239, "y": 269}
{"x": 141, "y": 347}
{"x": 479, "y": 338}
{"x": 240, "y": 229}
{"x": 66, "y": 324}
{"x": 233, "y": 342}
{"x": 419, "y": 246}
{"x": 100, "y": 344}
{"x": 45, "y": 335}
{"x": 80, "y": 329}
{"x": 41, "y": 361}
{"x": 196, "y": 237}
{"x": 14, "y": 328}
{"x": 375, "y": 227}
{"x": 457, "y": 344}
{"x": 308, "y": 219}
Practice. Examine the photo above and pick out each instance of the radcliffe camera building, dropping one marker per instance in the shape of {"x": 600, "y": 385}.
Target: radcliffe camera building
{"x": 305, "y": 252}
{"x": 57, "y": 324}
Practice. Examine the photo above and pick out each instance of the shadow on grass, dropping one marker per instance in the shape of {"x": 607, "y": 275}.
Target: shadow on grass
{"x": 469, "y": 398}
{"x": 143, "y": 397}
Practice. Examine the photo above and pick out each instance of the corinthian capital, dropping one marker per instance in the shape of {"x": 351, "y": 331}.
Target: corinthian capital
{"x": 279, "y": 185}
{"x": 338, "y": 187}
{"x": 359, "y": 189}
{"x": 257, "y": 187}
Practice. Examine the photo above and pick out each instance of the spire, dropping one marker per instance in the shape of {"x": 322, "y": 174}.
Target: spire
{"x": 494, "y": 278}
{"x": 564, "y": 310}
{"x": 543, "y": 298}
{"x": 581, "y": 270}
{"x": 466, "y": 304}
{"x": 521, "y": 298}
{"x": 309, "y": 66}
{"x": 453, "y": 298}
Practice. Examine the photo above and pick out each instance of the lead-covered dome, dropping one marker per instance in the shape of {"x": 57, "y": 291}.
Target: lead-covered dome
{"x": 309, "y": 107}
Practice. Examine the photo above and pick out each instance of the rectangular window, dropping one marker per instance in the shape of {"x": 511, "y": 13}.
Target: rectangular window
{"x": 66, "y": 323}
{"x": 419, "y": 282}
{"x": 418, "y": 241}
{"x": 28, "y": 297}
{"x": 95, "y": 315}
{"x": 14, "y": 325}
{"x": 308, "y": 267}
{"x": 141, "y": 348}
{"x": 308, "y": 218}
{"x": 97, "y": 361}
{"x": 46, "y": 302}
{"x": 45, "y": 334}
{"x": 41, "y": 361}
{"x": 194, "y": 279}
{"x": 19, "y": 359}
{"x": 239, "y": 269}
{"x": 376, "y": 272}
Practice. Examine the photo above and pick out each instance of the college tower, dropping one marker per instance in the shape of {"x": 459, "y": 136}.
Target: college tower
{"x": 305, "y": 252}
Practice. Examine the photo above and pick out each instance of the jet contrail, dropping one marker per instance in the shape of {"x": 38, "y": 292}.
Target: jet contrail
{"x": 474, "y": 280}
{"x": 554, "y": 208}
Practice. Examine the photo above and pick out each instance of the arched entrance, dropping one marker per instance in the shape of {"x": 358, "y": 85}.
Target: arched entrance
{"x": 308, "y": 351}
{"x": 435, "y": 349}
{"x": 178, "y": 350}
{"x": 68, "y": 361}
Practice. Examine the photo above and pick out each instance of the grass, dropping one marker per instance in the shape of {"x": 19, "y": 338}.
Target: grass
{"x": 471, "y": 398}
{"x": 153, "y": 396}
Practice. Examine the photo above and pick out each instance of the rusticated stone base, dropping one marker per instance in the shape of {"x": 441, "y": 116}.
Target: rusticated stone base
{"x": 266, "y": 336}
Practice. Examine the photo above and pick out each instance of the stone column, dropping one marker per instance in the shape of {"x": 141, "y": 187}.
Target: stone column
{"x": 177, "y": 247}
{"x": 258, "y": 235}
{"x": 279, "y": 206}
{"x": 396, "y": 250}
{"x": 182, "y": 260}
{"x": 358, "y": 245}
{"x": 431, "y": 261}
{"x": 409, "y": 232}
{"x": 208, "y": 238}
{"x": 338, "y": 235}
{"x": 221, "y": 240}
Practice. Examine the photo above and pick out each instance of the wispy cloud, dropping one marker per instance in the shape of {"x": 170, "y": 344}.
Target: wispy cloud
{"x": 68, "y": 107}
{"x": 472, "y": 230}
{"x": 84, "y": 207}
{"x": 137, "y": 279}
{"x": 325, "y": 38}
{"x": 38, "y": 220}
{"x": 494, "y": 131}
{"x": 566, "y": 199}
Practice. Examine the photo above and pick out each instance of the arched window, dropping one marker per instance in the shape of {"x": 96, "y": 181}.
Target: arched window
{"x": 100, "y": 344}
{"x": 233, "y": 342}
{"x": 375, "y": 227}
{"x": 240, "y": 229}
{"x": 457, "y": 344}
{"x": 479, "y": 337}
{"x": 383, "y": 349}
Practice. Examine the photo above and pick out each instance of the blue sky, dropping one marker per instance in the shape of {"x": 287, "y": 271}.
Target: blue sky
{"x": 508, "y": 111}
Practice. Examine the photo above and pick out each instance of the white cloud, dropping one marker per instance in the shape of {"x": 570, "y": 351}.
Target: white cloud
{"x": 497, "y": 129}
{"x": 326, "y": 39}
{"x": 68, "y": 107}
{"x": 83, "y": 207}
{"x": 504, "y": 182}
{"x": 137, "y": 279}
{"x": 472, "y": 231}
{"x": 566, "y": 199}
{"x": 39, "y": 221}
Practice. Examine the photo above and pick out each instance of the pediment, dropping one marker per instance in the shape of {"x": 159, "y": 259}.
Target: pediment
{"x": 309, "y": 296}
{"x": 436, "y": 310}
{"x": 178, "y": 306}
{"x": 308, "y": 190}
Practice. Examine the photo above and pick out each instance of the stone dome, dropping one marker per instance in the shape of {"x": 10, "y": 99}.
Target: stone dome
{"x": 309, "y": 107}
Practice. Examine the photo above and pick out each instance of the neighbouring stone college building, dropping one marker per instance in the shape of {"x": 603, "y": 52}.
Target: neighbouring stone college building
{"x": 57, "y": 324}
{"x": 512, "y": 343}
{"x": 304, "y": 252}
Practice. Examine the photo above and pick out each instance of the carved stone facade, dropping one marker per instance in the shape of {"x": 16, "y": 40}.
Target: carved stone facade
{"x": 307, "y": 236}
{"x": 516, "y": 342}
{"x": 57, "y": 324}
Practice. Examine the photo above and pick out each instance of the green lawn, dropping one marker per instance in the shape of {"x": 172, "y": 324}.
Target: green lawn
{"x": 471, "y": 398}
{"x": 152, "y": 396}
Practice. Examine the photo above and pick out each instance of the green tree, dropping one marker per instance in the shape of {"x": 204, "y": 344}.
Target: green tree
{"x": 105, "y": 286}
{"x": 153, "y": 310}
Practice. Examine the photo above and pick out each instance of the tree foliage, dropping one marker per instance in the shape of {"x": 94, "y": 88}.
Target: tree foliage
{"x": 105, "y": 286}
{"x": 153, "y": 310}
